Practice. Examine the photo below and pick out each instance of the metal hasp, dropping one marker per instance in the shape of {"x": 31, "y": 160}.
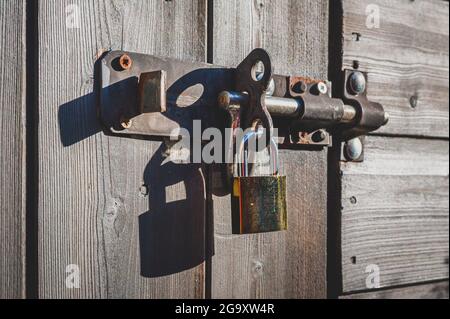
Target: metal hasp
{"x": 258, "y": 201}
{"x": 150, "y": 97}
{"x": 142, "y": 96}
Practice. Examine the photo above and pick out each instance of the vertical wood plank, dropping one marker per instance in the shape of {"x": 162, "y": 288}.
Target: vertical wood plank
{"x": 392, "y": 210}
{"x": 12, "y": 149}
{"x": 91, "y": 211}
{"x": 395, "y": 213}
{"x": 288, "y": 264}
{"x": 407, "y": 57}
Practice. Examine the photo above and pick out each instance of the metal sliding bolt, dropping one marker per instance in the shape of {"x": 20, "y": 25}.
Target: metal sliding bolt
{"x": 277, "y": 106}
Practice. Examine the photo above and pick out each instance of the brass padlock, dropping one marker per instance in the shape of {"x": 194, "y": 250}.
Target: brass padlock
{"x": 258, "y": 202}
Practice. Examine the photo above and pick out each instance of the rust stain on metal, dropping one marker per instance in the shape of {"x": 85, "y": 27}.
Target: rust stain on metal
{"x": 293, "y": 80}
{"x": 299, "y": 85}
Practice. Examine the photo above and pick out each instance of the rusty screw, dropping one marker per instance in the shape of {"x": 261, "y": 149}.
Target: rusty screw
{"x": 303, "y": 87}
{"x": 125, "y": 62}
{"x": 300, "y": 87}
{"x": 126, "y": 123}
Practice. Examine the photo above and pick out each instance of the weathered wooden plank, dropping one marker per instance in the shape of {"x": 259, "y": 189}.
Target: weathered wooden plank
{"x": 91, "y": 211}
{"x": 12, "y": 146}
{"x": 407, "y": 56}
{"x": 288, "y": 264}
{"x": 429, "y": 291}
{"x": 395, "y": 213}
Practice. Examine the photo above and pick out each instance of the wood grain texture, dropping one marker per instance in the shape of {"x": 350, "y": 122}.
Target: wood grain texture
{"x": 407, "y": 56}
{"x": 12, "y": 149}
{"x": 429, "y": 291}
{"x": 395, "y": 213}
{"x": 288, "y": 264}
{"x": 91, "y": 211}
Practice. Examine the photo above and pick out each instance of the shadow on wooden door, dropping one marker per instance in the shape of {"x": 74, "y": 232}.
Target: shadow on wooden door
{"x": 173, "y": 232}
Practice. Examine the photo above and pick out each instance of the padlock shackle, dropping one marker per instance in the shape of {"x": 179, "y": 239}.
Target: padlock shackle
{"x": 242, "y": 161}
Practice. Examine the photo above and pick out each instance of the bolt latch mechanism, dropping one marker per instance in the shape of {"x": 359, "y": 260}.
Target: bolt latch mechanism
{"x": 148, "y": 97}
{"x": 142, "y": 96}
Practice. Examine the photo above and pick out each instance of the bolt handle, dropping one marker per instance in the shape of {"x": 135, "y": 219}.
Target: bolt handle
{"x": 255, "y": 82}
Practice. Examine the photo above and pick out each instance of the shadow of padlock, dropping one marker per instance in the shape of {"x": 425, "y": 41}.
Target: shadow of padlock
{"x": 258, "y": 202}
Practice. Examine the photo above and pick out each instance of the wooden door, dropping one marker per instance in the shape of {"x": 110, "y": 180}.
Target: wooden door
{"x": 75, "y": 201}
{"x": 392, "y": 210}
{"x": 91, "y": 210}
{"x": 289, "y": 264}
{"x": 12, "y": 153}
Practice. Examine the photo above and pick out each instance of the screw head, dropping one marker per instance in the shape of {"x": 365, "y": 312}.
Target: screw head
{"x": 303, "y": 87}
{"x": 322, "y": 88}
{"x": 300, "y": 87}
{"x": 353, "y": 149}
{"x": 125, "y": 62}
{"x": 144, "y": 190}
{"x": 319, "y": 136}
{"x": 126, "y": 123}
{"x": 357, "y": 83}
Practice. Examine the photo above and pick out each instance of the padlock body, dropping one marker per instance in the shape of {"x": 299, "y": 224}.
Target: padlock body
{"x": 259, "y": 204}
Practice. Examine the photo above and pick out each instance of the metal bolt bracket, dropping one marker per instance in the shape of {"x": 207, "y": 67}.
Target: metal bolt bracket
{"x": 157, "y": 96}
{"x": 369, "y": 117}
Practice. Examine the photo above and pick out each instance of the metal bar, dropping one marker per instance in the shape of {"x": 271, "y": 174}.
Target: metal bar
{"x": 277, "y": 106}
{"x": 349, "y": 114}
